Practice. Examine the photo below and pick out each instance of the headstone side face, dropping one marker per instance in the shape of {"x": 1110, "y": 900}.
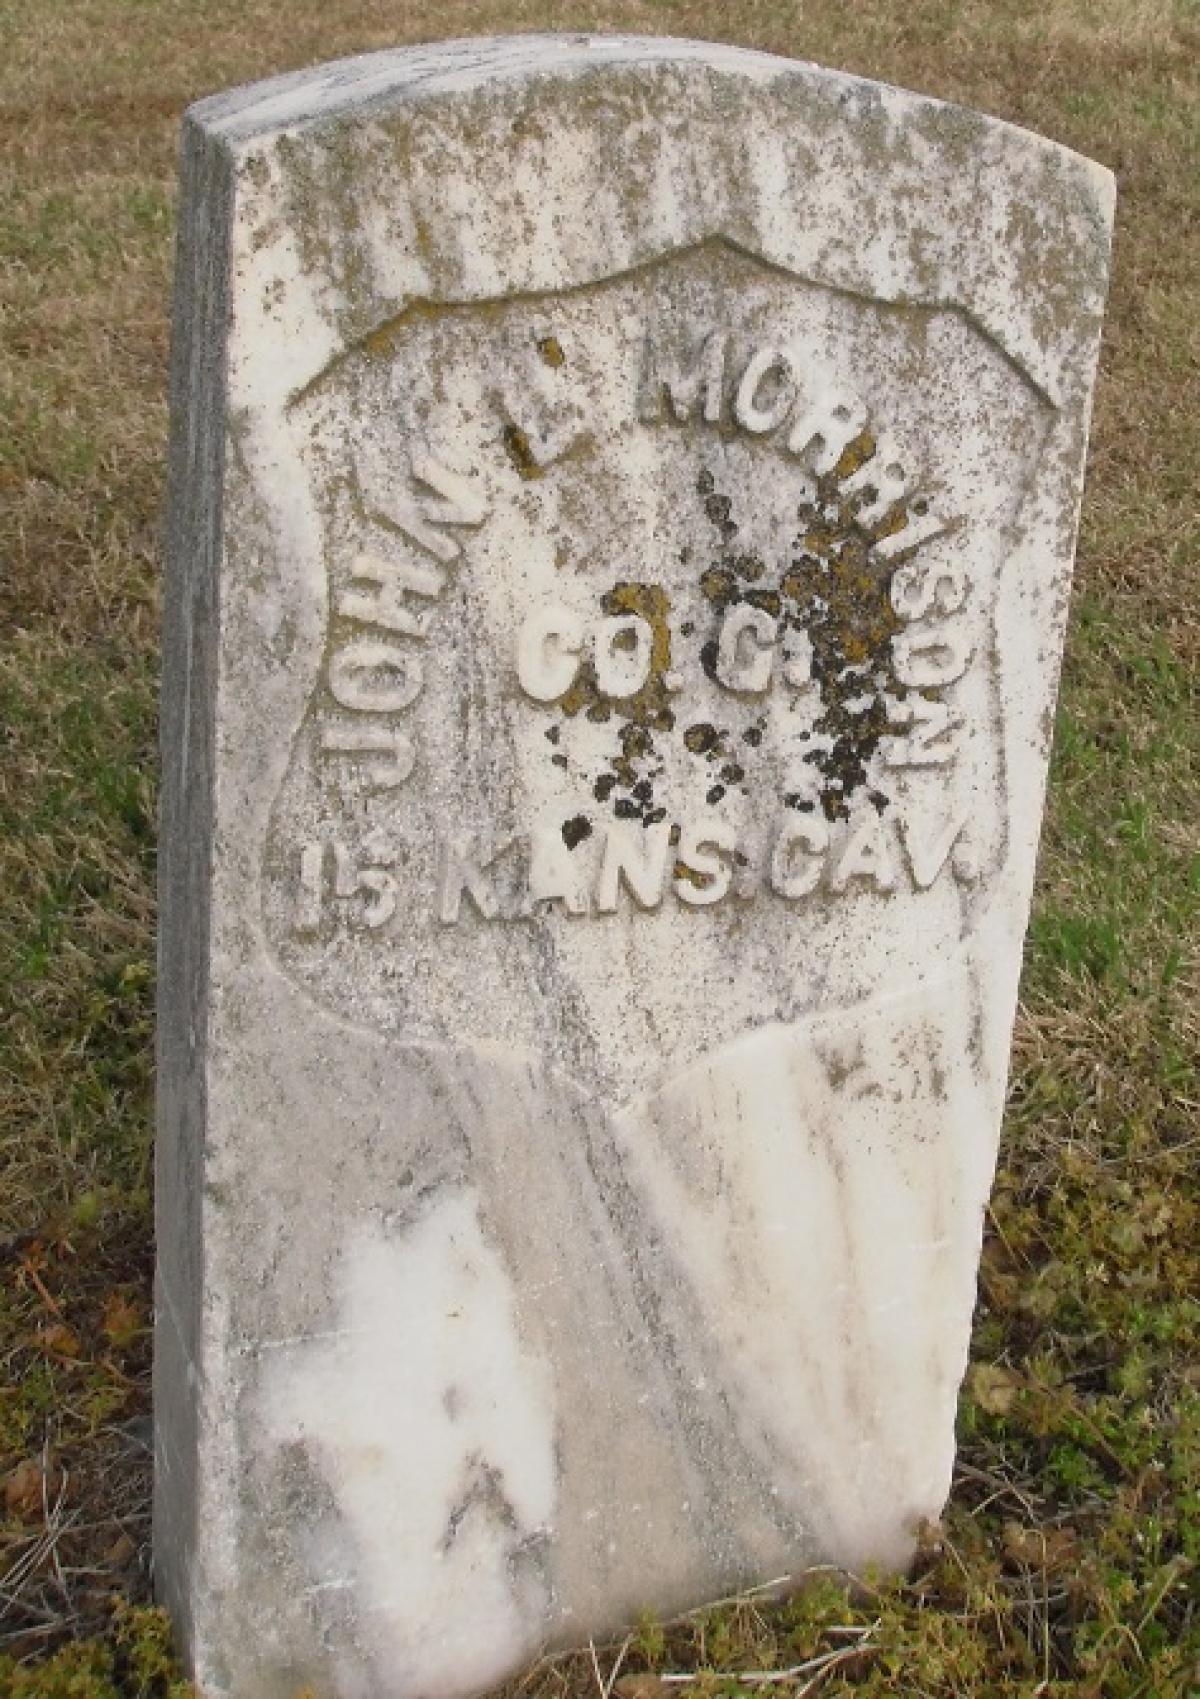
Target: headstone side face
{"x": 624, "y": 498}
{"x": 202, "y": 301}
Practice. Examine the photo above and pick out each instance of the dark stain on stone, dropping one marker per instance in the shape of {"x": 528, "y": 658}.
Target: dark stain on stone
{"x": 701, "y": 737}
{"x": 720, "y": 587}
{"x": 937, "y": 1075}
{"x": 839, "y": 593}
{"x": 550, "y": 348}
{"x": 841, "y": 1064}
{"x": 649, "y": 711}
{"x": 718, "y": 507}
{"x": 574, "y": 831}
{"x": 516, "y": 446}
{"x": 834, "y": 586}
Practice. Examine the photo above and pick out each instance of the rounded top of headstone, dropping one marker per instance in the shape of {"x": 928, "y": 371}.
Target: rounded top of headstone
{"x": 366, "y": 82}
{"x": 649, "y": 143}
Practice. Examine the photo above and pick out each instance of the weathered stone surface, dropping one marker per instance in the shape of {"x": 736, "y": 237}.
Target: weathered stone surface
{"x": 624, "y": 496}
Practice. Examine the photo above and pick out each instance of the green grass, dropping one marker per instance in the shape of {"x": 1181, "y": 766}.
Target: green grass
{"x": 1068, "y": 1561}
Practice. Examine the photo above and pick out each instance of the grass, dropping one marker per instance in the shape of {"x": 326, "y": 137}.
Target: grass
{"x": 1069, "y": 1557}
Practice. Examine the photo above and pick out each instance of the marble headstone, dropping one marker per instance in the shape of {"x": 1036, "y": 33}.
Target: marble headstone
{"x": 624, "y": 495}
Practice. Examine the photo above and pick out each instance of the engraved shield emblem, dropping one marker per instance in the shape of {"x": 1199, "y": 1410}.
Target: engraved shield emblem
{"x": 657, "y": 701}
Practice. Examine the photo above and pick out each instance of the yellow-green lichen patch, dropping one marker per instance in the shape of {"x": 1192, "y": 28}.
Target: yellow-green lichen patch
{"x": 517, "y": 447}
{"x": 698, "y": 881}
{"x": 834, "y": 587}
{"x": 381, "y": 344}
{"x": 650, "y": 706}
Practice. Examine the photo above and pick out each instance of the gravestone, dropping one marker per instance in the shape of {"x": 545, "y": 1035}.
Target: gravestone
{"x": 624, "y": 496}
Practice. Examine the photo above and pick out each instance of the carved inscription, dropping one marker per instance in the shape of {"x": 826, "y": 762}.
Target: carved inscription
{"x": 375, "y": 668}
{"x": 332, "y": 876}
{"x": 662, "y": 611}
{"x": 697, "y": 862}
{"x": 862, "y": 505}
